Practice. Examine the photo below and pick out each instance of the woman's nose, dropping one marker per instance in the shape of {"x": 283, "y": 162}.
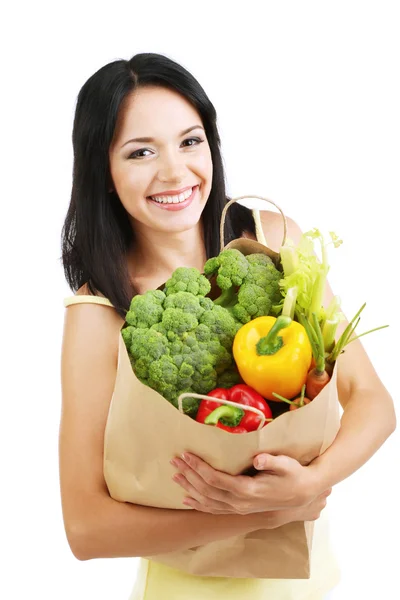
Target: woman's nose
{"x": 172, "y": 170}
{"x": 175, "y": 174}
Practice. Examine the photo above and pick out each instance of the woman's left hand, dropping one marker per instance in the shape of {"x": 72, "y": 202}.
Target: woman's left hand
{"x": 283, "y": 483}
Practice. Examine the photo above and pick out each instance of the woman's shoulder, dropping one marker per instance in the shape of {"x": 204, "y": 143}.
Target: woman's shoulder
{"x": 88, "y": 305}
{"x": 84, "y": 296}
{"x": 90, "y": 322}
{"x": 273, "y": 228}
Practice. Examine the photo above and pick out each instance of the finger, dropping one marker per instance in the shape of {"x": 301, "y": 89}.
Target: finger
{"x": 269, "y": 462}
{"x": 201, "y": 487}
{"x": 214, "y": 478}
{"x": 193, "y": 492}
{"x": 207, "y": 509}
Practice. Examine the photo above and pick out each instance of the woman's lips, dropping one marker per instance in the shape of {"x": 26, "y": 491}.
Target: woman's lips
{"x": 178, "y": 205}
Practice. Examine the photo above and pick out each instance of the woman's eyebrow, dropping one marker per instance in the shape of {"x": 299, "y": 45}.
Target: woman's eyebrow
{"x": 149, "y": 139}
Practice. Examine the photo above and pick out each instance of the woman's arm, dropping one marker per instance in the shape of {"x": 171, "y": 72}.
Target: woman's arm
{"x": 105, "y": 528}
{"x": 96, "y": 525}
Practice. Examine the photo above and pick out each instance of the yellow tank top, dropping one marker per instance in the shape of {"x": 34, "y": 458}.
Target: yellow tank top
{"x": 156, "y": 581}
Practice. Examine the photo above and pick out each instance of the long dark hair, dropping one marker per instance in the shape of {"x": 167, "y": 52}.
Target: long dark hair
{"x": 97, "y": 232}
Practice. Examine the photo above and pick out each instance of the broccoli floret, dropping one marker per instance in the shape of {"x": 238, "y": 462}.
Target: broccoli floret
{"x": 178, "y": 321}
{"x": 257, "y": 291}
{"x": 184, "y": 301}
{"x": 187, "y": 279}
{"x": 253, "y": 301}
{"x": 230, "y": 266}
{"x": 259, "y": 259}
{"x": 142, "y": 368}
{"x": 147, "y": 342}
{"x": 262, "y": 272}
{"x": 206, "y": 303}
{"x": 229, "y": 378}
{"x": 126, "y": 333}
{"x": 163, "y": 376}
{"x": 223, "y": 358}
{"x": 221, "y": 323}
{"x": 146, "y": 310}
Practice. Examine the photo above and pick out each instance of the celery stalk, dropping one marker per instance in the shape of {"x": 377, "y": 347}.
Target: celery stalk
{"x": 329, "y": 332}
{"x": 289, "y": 260}
{"x": 344, "y": 338}
{"x": 289, "y": 304}
{"x": 320, "y": 362}
{"x": 315, "y": 336}
{"x": 333, "y": 308}
{"x": 317, "y": 299}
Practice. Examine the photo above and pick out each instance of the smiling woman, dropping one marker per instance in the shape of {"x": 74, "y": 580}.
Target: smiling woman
{"x": 147, "y": 196}
{"x": 144, "y": 129}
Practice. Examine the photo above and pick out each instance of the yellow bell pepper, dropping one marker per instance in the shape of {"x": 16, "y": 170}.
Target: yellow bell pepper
{"x": 269, "y": 362}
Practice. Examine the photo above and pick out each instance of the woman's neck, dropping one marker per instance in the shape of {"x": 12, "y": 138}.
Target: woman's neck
{"x": 155, "y": 255}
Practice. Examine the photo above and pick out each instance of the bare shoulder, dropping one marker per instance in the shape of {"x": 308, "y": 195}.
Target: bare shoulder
{"x": 272, "y": 223}
{"x": 88, "y": 326}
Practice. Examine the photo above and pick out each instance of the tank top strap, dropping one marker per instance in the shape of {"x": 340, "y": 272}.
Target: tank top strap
{"x": 86, "y": 299}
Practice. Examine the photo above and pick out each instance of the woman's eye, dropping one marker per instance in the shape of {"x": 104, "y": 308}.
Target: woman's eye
{"x": 139, "y": 153}
{"x": 197, "y": 140}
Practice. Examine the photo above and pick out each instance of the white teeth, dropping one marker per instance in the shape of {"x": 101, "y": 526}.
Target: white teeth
{"x": 173, "y": 199}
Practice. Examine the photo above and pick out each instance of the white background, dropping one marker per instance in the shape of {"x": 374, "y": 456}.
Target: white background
{"x": 308, "y": 104}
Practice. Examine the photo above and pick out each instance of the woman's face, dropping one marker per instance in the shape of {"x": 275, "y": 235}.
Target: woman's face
{"x": 171, "y": 159}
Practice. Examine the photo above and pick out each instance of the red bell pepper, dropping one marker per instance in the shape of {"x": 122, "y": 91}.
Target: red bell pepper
{"x": 232, "y": 418}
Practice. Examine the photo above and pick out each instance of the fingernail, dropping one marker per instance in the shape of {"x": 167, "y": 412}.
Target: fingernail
{"x": 174, "y": 462}
{"x": 186, "y": 458}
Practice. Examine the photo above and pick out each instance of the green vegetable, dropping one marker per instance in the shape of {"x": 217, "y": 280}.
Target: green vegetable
{"x": 249, "y": 284}
{"x": 187, "y": 279}
{"x": 304, "y": 272}
{"x": 303, "y": 287}
{"x": 180, "y": 341}
{"x": 347, "y": 337}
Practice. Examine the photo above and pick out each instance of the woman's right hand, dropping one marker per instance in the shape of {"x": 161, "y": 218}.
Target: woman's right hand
{"x": 309, "y": 512}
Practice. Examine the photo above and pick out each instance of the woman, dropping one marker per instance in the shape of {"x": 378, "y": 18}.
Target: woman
{"x": 147, "y": 197}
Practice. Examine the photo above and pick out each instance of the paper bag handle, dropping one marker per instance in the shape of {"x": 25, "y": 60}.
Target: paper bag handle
{"x": 256, "y": 213}
{"x": 223, "y": 401}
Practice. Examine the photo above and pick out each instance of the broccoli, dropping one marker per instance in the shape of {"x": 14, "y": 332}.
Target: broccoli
{"x": 231, "y": 267}
{"x": 249, "y": 284}
{"x": 187, "y": 279}
{"x": 146, "y": 310}
{"x": 180, "y": 341}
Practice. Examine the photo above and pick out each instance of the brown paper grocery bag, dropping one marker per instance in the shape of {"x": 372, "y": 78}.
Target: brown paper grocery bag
{"x": 144, "y": 432}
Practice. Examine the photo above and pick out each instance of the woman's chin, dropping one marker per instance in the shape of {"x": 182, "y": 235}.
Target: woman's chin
{"x": 179, "y": 222}
{"x": 179, "y": 225}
